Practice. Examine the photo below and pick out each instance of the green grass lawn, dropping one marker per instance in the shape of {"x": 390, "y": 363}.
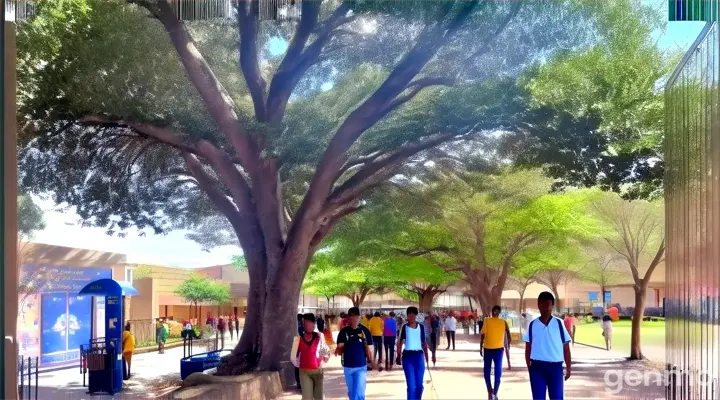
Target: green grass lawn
{"x": 652, "y": 334}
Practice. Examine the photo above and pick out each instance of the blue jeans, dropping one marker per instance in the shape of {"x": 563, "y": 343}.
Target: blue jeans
{"x": 493, "y": 356}
{"x": 546, "y": 378}
{"x": 355, "y": 378}
{"x": 413, "y": 363}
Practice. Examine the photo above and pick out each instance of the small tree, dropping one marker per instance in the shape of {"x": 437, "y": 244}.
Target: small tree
{"x": 325, "y": 279}
{"x": 30, "y": 220}
{"x": 198, "y": 289}
{"x": 637, "y": 237}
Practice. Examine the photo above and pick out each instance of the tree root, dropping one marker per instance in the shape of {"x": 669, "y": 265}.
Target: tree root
{"x": 238, "y": 364}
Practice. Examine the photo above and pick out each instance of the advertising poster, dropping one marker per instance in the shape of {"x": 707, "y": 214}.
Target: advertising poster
{"x": 28, "y": 325}
{"x": 54, "y": 327}
{"x": 65, "y": 318}
{"x": 99, "y": 316}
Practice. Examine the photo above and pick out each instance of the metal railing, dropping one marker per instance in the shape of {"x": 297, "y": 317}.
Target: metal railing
{"x": 28, "y": 371}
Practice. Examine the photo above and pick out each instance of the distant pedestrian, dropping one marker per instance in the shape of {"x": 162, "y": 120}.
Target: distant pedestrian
{"x": 320, "y": 322}
{"x": 236, "y": 320}
{"x": 607, "y": 329}
{"x": 494, "y": 342}
{"x": 354, "y": 345}
{"x": 525, "y": 320}
{"x": 389, "y": 336}
{"x": 309, "y": 354}
{"x": 432, "y": 328}
{"x": 377, "y": 326}
{"x": 450, "y": 327}
{"x": 231, "y": 328}
{"x": 300, "y": 331}
{"x": 221, "y": 326}
{"x": 570, "y": 326}
{"x": 160, "y": 336}
{"x": 412, "y": 353}
{"x": 547, "y": 345}
{"x": 128, "y": 348}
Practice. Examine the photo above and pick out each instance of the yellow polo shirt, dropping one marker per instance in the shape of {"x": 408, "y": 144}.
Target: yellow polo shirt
{"x": 377, "y": 325}
{"x": 494, "y": 330}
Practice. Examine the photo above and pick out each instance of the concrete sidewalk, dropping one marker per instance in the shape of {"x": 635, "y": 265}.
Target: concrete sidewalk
{"x": 459, "y": 375}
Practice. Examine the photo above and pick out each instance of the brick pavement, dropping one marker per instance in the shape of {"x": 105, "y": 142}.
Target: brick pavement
{"x": 459, "y": 375}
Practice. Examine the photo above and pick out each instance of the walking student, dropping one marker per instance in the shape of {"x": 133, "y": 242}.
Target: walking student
{"x": 354, "y": 345}
{"x": 547, "y": 345}
{"x": 377, "y": 326}
{"x": 494, "y": 342}
{"x": 450, "y": 327}
{"x": 570, "y": 326}
{"x": 128, "y": 348}
{"x": 160, "y": 337}
{"x": 607, "y": 331}
{"x": 389, "y": 335}
{"x": 309, "y": 354}
{"x": 231, "y": 327}
{"x": 412, "y": 353}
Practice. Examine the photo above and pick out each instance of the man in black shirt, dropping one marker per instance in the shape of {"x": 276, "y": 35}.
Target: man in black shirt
{"x": 320, "y": 324}
{"x": 354, "y": 344}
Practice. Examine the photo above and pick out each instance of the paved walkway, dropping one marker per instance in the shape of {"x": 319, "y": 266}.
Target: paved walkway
{"x": 458, "y": 375}
{"x": 152, "y": 373}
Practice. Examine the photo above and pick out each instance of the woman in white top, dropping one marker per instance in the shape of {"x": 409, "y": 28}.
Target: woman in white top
{"x": 412, "y": 346}
{"x": 607, "y": 331}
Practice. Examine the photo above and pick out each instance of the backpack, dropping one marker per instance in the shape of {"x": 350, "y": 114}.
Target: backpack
{"x": 559, "y": 324}
{"x": 364, "y": 341}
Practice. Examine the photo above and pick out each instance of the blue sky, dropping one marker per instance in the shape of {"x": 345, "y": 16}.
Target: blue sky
{"x": 173, "y": 249}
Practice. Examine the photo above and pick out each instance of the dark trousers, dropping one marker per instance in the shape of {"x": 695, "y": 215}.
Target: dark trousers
{"x": 546, "y": 379}
{"x": 493, "y": 356}
{"x": 378, "y": 345}
{"x": 433, "y": 344}
{"x": 297, "y": 378}
{"x": 450, "y": 337}
{"x": 389, "y": 342}
{"x": 413, "y": 363}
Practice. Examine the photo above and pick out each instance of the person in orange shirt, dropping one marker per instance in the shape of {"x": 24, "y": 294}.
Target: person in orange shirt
{"x": 377, "y": 326}
{"x": 128, "y": 348}
{"x": 494, "y": 341}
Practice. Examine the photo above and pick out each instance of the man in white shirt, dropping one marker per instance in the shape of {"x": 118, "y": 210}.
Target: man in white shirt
{"x": 450, "y": 327}
{"x": 547, "y": 345}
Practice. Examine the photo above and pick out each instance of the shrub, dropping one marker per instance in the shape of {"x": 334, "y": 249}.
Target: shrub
{"x": 649, "y": 311}
{"x": 175, "y": 329}
{"x": 625, "y": 318}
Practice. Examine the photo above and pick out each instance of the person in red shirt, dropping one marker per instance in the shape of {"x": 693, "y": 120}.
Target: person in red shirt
{"x": 311, "y": 353}
{"x": 570, "y": 326}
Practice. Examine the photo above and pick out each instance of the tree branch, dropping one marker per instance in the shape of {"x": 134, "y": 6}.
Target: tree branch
{"x": 299, "y": 58}
{"x": 205, "y": 182}
{"x": 331, "y": 221}
{"x": 161, "y": 134}
{"x": 655, "y": 262}
{"x": 248, "y": 27}
{"x": 503, "y": 24}
{"x": 429, "y": 42}
{"x": 414, "y": 88}
{"x": 422, "y": 252}
{"x": 217, "y": 101}
{"x": 358, "y": 183}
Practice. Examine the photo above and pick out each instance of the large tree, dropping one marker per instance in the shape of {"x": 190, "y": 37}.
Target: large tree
{"x": 484, "y": 225}
{"x": 637, "y": 237}
{"x": 140, "y": 119}
{"x": 31, "y": 279}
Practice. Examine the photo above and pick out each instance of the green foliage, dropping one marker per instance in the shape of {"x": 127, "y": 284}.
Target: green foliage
{"x": 90, "y": 57}
{"x": 30, "y": 217}
{"x": 238, "y": 262}
{"x": 143, "y": 271}
{"x": 197, "y": 289}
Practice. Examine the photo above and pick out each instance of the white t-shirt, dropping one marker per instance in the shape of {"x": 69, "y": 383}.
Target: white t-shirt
{"x": 413, "y": 340}
{"x": 450, "y": 324}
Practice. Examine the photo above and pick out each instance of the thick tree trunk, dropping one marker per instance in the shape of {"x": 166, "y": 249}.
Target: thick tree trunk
{"x": 637, "y": 319}
{"x": 558, "y": 301}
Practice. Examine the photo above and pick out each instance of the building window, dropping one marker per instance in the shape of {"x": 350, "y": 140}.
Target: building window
{"x": 129, "y": 275}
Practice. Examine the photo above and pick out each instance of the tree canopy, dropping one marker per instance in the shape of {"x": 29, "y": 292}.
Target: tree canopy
{"x": 198, "y": 289}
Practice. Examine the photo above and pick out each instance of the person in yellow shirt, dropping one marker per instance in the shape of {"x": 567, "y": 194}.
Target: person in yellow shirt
{"x": 377, "y": 326}
{"x": 494, "y": 341}
{"x": 128, "y": 348}
{"x": 366, "y": 320}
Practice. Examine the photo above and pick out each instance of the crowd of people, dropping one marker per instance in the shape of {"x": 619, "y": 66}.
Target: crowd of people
{"x": 411, "y": 343}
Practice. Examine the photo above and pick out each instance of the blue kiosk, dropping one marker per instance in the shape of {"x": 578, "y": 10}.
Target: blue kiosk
{"x": 104, "y": 355}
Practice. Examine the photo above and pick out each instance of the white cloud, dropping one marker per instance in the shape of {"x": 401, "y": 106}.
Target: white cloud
{"x": 169, "y": 250}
